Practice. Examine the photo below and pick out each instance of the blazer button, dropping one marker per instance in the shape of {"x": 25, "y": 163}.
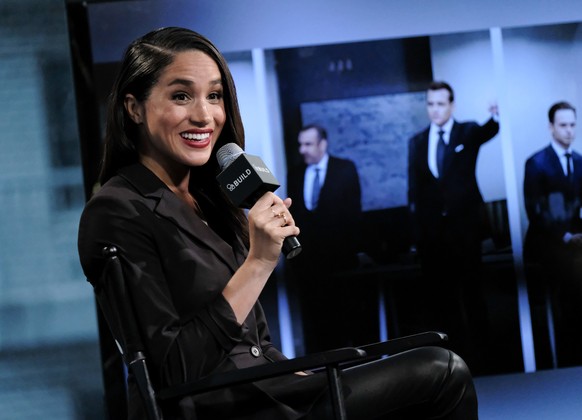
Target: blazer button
{"x": 255, "y": 351}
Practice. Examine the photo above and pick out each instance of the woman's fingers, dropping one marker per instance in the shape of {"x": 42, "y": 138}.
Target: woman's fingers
{"x": 270, "y": 215}
{"x": 270, "y": 206}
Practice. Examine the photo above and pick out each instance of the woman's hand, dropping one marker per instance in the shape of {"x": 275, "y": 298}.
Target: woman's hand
{"x": 270, "y": 222}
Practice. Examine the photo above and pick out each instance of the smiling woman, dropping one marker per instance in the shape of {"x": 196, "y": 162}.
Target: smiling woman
{"x": 181, "y": 119}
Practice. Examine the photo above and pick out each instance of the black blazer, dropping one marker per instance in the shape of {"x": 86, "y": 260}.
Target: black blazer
{"x": 552, "y": 203}
{"x": 456, "y": 193}
{"x": 331, "y": 231}
{"x": 177, "y": 267}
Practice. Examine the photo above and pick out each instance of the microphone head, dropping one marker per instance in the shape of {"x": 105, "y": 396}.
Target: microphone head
{"x": 243, "y": 178}
{"x": 227, "y": 154}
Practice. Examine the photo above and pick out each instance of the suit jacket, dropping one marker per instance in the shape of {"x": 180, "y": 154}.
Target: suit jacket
{"x": 552, "y": 204}
{"x": 177, "y": 267}
{"x": 455, "y": 194}
{"x": 329, "y": 234}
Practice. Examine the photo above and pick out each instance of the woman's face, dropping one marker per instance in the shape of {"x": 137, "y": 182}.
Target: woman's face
{"x": 183, "y": 116}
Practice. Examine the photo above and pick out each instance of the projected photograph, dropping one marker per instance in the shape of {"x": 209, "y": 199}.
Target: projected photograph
{"x": 547, "y": 58}
{"x": 372, "y": 112}
{"x": 418, "y": 264}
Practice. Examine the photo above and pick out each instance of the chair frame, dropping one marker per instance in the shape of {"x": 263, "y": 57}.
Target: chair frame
{"x": 116, "y": 305}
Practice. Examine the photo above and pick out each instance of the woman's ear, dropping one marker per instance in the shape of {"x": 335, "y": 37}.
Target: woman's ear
{"x": 133, "y": 108}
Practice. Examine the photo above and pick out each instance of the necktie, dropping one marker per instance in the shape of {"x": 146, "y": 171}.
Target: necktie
{"x": 316, "y": 189}
{"x": 568, "y": 165}
{"x": 441, "y": 147}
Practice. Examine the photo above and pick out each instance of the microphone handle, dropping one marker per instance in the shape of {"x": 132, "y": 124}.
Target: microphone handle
{"x": 291, "y": 247}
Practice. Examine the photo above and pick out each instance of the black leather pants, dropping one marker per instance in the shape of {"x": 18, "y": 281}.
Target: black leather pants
{"x": 424, "y": 383}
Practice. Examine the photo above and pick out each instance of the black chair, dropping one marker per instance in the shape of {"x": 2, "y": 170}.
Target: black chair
{"x": 116, "y": 306}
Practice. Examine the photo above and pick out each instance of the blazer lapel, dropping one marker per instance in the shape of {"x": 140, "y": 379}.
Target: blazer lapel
{"x": 454, "y": 145}
{"x": 169, "y": 206}
{"x": 554, "y": 163}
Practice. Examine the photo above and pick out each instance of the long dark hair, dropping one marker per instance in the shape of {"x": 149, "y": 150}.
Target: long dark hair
{"x": 143, "y": 62}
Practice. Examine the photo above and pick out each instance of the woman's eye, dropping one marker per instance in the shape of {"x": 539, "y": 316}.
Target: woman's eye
{"x": 215, "y": 96}
{"x": 180, "y": 97}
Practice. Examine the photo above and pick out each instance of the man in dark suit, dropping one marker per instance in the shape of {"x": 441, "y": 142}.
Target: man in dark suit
{"x": 326, "y": 196}
{"x": 448, "y": 217}
{"x": 553, "y": 242}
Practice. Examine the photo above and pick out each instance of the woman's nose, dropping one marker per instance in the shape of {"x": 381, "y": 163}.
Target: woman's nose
{"x": 199, "y": 113}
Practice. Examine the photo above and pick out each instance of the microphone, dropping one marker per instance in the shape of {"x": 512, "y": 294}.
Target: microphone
{"x": 244, "y": 179}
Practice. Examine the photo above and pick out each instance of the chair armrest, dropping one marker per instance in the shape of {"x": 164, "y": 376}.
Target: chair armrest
{"x": 255, "y": 373}
{"x": 398, "y": 345}
{"x": 310, "y": 362}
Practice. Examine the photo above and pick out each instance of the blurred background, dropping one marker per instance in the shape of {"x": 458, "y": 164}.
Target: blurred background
{"x": 50, "y": 365}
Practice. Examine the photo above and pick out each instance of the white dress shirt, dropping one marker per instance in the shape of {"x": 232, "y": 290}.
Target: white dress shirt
{"x": 433, "y": 140}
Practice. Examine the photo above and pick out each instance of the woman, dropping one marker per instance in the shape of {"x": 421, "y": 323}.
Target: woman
{"x": 196, "y": 264}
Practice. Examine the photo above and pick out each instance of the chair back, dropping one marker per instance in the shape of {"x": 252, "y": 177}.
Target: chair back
{"x": 116, "y": 306}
